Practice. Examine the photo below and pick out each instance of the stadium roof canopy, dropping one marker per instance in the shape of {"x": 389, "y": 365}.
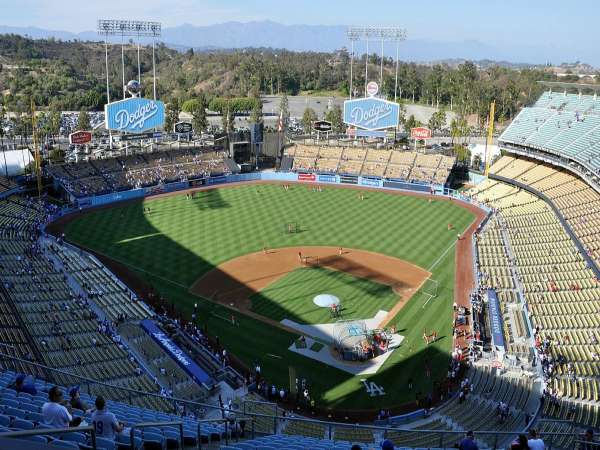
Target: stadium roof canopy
{"x": 571, "y": 86}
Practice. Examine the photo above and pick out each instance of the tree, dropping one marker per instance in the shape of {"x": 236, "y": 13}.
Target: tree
{"x": 83, "y": 120}
{"x": 411, "y": 122}
{"x": 437, "y": 120}
{"x": 199, "y": 119}
{"x": 284, "y": 110}
{"x": 334, "y": 115}
{"x": 256, "y": 115}
{"x": 172, "y": 115}
{"x": 308, "y": 117}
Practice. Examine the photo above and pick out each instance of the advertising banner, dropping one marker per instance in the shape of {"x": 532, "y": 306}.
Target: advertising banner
{"x": 496, "y": 321}
{"x": 183, "y": 127}
{"x": 307, "y": 177}
{"x": 327, "y": 178}
{"x": 80, "y": 137}
{"x": 348, "y": 179}
{"x": 134, "y": 115}
{"x": 371, "y": 113}
{"x": 370, "y": 182}
{"x": 420, "y": 133}
{"x": 182, "y": 359}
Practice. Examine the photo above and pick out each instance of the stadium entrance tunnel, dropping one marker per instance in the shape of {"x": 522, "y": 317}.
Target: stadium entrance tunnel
{"x": 127, "y": 240}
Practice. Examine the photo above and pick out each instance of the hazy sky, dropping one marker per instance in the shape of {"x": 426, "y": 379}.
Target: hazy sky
{"x": 499, "y": 22}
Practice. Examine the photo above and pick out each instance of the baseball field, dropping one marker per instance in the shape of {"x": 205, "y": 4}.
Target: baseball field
{"x": 230, "y": 250}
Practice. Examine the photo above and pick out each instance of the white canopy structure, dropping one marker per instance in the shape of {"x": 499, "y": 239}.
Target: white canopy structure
{"x": 16, "y": 161}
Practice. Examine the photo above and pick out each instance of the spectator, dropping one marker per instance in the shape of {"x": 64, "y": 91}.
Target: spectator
{"x": 76, "y": 402}
{"x": 588, "y": 441}
{"x": 520, "y": 443}
{"x": 54, "y": 412}
{"x": 105, "y": 423}
{"x": 387, "y": 445}
{"x": 468, "y": 443}
{"x": 21, "y": 386}
{"x": 534, "y": 442}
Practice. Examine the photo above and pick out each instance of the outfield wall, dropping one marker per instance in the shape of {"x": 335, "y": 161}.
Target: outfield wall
{"x": 347, "y": 180}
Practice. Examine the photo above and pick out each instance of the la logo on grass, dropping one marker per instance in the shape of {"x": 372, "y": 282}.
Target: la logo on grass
{"x": 372, "y": 388}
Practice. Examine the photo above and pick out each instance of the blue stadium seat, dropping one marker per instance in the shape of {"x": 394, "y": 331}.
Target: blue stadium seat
{"x": 105, "y": 444}
{"x": 80, "y": 438}
{"x": 9, "y": 402}
{"x": 36, "y": 438}
{"x": 22, "y": 424}
{"x": 4, "y": 420}
{"x": 14, "y": 412}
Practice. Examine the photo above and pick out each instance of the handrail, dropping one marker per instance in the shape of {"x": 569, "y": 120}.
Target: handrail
{"x": 141, "y": 425}
{"x": 226, "y": 421}
{"x": 38, "y": 431}
{"x": 108, "y": 385}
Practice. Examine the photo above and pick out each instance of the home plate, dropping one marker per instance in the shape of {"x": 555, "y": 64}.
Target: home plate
{"x": 323, "y": 334}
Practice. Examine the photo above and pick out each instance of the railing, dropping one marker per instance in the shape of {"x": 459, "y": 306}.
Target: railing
{"x": 236, "y": 423}
{"x": 278, "y": 422}
{"x": 495, "y": 439}
{"x": 141, "y": 426}
{"x": 110, "y": 391}
{"x": 50, "y": 431}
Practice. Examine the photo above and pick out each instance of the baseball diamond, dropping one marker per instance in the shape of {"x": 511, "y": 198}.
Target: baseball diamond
{"x": 224, "y": 251}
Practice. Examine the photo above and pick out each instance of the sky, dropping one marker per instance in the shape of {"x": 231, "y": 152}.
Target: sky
{"x": 499, "y": 22}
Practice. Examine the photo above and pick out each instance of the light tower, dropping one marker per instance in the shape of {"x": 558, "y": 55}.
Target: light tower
{"x": 377, "y": 34}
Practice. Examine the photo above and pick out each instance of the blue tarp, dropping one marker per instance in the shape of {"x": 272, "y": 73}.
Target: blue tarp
{"x": 186, "y": 363}
{"x": 496, "y": 322}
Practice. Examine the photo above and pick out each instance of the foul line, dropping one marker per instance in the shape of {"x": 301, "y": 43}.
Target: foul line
{"x": 437, "y": 261}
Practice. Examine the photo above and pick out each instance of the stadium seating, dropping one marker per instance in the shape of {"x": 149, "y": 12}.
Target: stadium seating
{"x": 102, "y": 176}
{"x": 527, "y": 238}
{"x": 19, "y": 411}
{"x": 566, "y": 125}
{"x": 409, "y": 166}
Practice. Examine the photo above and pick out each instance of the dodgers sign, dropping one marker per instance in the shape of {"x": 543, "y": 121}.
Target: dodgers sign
{"x": 134, "y": 115}
{"x": 371, "y": 113}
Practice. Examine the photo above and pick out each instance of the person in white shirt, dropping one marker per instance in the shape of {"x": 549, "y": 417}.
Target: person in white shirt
{"x": 105, "y": 423}
{"x": 534, "y": 442}
{"x": 54, "y": 412}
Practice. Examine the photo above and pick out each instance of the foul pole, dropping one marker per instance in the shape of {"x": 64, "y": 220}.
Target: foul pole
{"x": 490, "y": 137}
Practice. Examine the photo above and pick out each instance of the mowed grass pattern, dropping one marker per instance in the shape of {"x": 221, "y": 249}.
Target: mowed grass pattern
{"x": 181, "y": 239}
{"x": 292, "y": 296}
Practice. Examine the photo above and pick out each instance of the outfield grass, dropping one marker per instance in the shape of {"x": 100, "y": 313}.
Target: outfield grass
{"x": 182, "y": 239}
{"x": 292, "y": 296}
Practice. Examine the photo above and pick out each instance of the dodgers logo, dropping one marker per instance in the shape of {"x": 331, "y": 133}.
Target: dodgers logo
{"x": 371, "y": 113}
{"x": 372, "y": 388}
{"x": 134, "y": 115}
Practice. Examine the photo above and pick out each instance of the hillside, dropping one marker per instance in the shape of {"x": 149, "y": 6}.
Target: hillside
{"x": 69, "y": 75}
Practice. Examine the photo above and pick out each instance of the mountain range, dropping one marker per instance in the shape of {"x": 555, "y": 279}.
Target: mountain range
{"x": 322, "y": 38}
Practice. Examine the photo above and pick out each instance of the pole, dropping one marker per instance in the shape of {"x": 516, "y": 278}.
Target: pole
{"x": 397, "y": 62}
{"x": 381, "y": 70}
{"x": 490, "y": 137}
{"x": 367, "y": 66}
{"x": 153, "y": 71}
{"x": 110, "y": 144}
{"x": 123, "y": 62}
{"x": 138, "y": 57}
{"x": 351, "y": 61}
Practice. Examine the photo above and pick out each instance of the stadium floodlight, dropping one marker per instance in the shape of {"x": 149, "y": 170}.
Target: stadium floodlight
{"x": 373, "y": 33}
{"x": 129, "y": 28}
{"x": 139, "y": 28}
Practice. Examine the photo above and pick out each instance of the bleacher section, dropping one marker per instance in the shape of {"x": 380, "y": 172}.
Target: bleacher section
{"x": 525, "y": 247}
{"x": 391, "y": 164}
{"x": 565, "y": 125}
{"x": 102, "y": 176}
{"x": 6, "y": 184}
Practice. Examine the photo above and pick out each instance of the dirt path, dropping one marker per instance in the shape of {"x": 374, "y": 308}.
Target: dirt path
{"x": 234, "y": 282}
